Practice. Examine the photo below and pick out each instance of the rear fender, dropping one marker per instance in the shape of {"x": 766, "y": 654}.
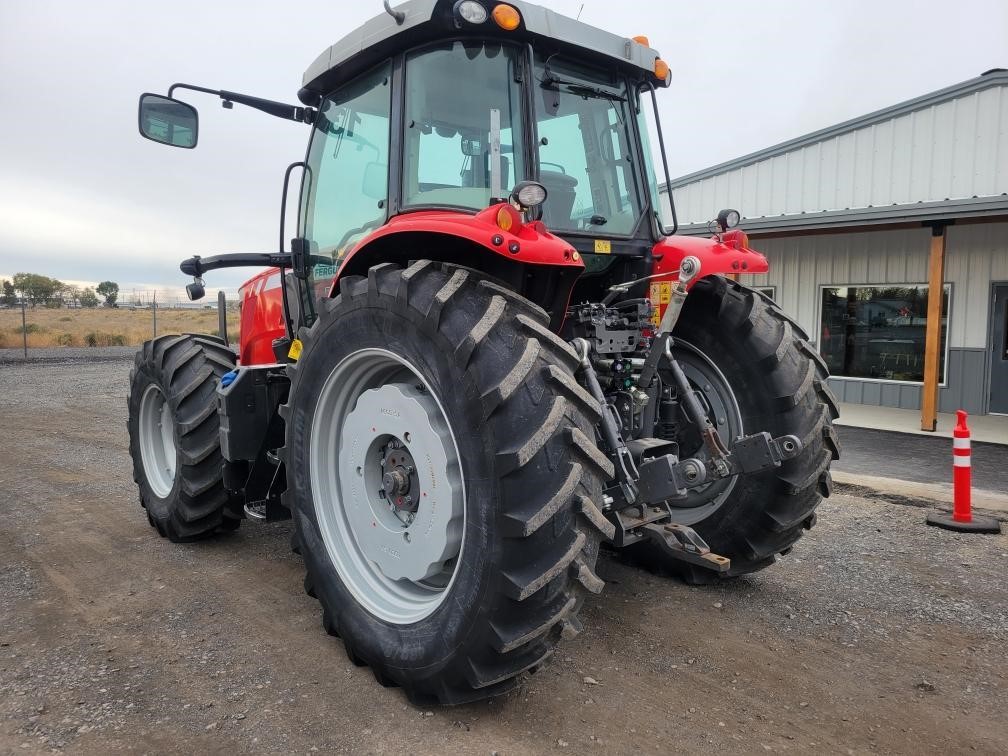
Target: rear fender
{"x": 727, "y": 253}
{"x": 527, "y": 258}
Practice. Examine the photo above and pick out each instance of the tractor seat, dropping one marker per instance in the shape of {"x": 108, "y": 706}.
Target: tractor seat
{"x": 560, "y": 196}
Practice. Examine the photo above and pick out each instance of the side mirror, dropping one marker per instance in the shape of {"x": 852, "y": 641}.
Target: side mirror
{"x": 168, "y": 121}
{"x": 374, "y": 184}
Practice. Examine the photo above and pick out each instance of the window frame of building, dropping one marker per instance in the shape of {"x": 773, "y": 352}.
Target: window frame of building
{"x": 770, "y": 292}
{"x": 943, "y": 382}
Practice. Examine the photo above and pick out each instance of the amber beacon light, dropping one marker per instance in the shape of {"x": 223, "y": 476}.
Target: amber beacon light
{"x": 506, "y": 17}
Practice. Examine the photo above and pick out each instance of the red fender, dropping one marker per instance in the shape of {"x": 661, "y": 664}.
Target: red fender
{"x": 725, "y": 253}
{"x": 528, "y": 243}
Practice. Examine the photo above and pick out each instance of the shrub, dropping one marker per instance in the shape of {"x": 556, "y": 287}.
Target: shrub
{"x": 66, "y": 339}
{"x": 65, "y": 319}
{"x": 29, "y": 328}
{"x": 102, "y": 339}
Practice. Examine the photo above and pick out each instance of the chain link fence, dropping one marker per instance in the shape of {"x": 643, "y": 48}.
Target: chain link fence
{"x": 29, "y": 330}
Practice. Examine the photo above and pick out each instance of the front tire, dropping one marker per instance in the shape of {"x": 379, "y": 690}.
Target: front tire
{"x": 174, "y": 436}
{"x": 499, "y": 426}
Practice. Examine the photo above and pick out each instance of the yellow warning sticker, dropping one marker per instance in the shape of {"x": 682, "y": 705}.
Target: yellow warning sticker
{"x": 660, "y": 295}
{"x": 295, "y": 350}
{"x": 603, "y": 247}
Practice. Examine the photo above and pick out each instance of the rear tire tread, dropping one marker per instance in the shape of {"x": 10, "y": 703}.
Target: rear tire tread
{"x": 516, "y": 360}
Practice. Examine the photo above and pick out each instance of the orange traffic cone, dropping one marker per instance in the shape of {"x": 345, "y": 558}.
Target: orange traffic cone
{"x": 962, "y": 518}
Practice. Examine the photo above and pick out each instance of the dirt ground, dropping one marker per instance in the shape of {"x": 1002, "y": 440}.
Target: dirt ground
{"x": 876, "y": 634}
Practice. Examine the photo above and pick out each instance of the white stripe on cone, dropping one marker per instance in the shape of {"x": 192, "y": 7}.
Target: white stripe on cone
{"x": 960, "y": 443}
{"x": 961, "y": 462}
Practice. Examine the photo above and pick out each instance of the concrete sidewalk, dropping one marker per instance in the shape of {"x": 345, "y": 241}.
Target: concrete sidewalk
{"x": 919, "y": 466}
{"x": 991, "y": 429}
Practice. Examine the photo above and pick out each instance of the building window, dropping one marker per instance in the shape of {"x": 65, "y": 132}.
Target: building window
{"x": 770, "y": 292}
{"x": 878, "y": 331}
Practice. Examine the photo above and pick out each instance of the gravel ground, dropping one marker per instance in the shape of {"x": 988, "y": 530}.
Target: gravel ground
{"x": 876, "y": 634}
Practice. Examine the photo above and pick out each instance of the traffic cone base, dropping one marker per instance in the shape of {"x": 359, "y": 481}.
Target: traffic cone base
{"x": 977, "y": 524}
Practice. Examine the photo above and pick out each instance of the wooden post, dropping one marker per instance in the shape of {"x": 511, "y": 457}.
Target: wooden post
{"x": 24, "y": 327}
{"x": 932, "y": 338}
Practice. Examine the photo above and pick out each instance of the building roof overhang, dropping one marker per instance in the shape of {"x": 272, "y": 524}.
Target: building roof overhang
{"x": 920, "y": 213}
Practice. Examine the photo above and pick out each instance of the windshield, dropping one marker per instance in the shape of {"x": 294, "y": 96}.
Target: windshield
{"x": 345, "y": 188}
{"x": 462, "y": 125}
{"x": 586, "y": 157}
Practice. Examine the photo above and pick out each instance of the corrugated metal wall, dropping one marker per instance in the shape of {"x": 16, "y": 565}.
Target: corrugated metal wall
{"x": 953, "y": 149}
{"x": 976, "y": 255}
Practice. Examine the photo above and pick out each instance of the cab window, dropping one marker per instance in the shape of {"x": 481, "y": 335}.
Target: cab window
{"x": 460, "y": 99}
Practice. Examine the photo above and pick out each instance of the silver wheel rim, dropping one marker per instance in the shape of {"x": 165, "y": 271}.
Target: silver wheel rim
{"x": 157, "y": 441}
{"x": 719, "y": 400}
{"x": 376, "y": 408}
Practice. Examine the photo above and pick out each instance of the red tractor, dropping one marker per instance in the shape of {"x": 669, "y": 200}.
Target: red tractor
{"x": 483, "y": 356}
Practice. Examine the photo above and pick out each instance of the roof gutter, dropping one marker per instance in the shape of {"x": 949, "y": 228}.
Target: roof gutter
{"x": 917, "y": 213}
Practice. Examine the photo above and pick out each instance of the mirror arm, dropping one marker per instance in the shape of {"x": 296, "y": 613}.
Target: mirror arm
{"x": 274, "y": 108}
{"x": 196, "y": 266}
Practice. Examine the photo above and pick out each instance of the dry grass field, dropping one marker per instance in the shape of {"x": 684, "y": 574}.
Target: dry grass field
{"x": 104, "y": 327}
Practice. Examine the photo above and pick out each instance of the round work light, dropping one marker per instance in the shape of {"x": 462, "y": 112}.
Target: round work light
{"x": 470, "y": 11}
{"x": 528, "y": 194}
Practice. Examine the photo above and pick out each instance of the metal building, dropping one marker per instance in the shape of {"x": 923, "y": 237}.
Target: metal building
{"x": 888, "y": 239}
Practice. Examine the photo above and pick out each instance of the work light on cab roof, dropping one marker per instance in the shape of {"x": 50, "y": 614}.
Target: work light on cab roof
{"x": 483, "y": 353}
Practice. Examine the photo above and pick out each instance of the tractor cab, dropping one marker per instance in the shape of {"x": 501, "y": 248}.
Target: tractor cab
{"x": 450, "y": 109}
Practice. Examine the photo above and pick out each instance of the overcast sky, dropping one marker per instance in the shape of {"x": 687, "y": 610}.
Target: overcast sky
{"x": 84, "y": 198}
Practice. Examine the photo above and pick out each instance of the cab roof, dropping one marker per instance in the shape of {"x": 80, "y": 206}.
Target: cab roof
{"x": 427, "y": 21}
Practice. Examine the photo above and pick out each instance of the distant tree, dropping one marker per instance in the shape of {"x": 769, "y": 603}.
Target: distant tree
{"x": 88, "y": 298}
{"x": 36, "y": 289}
{"x": 71, "y": 295}
{"x": 110, "y": 291}
{"x": 58, "y": 296}
{"x": 9, "y": 297}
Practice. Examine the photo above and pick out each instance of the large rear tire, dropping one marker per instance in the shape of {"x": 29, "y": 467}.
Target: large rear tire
{"x": 767, "y": 368}
{"x": 174, "y": 434}
{"x": 462, "y": 573}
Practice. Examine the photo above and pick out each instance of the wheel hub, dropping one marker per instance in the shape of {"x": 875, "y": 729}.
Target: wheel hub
{"x": 400, "y": 484}
{"x": 400, "y": 494}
